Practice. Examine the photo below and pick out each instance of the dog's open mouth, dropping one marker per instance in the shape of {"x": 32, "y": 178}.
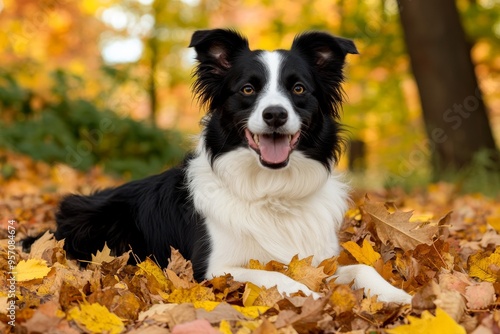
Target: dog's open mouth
{"x": 273, "y": 148}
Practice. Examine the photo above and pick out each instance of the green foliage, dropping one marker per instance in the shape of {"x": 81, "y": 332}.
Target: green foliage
{"x": 76, "y": 132}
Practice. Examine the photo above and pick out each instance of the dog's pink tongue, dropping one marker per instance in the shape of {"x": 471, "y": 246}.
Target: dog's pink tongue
{"x": 274, "y": 148}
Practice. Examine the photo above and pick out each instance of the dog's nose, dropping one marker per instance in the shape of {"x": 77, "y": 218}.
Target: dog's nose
{"x": 275, "y": 116}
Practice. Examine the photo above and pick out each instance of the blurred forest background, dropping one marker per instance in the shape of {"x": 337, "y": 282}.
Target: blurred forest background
{"x": 107, "y": 82}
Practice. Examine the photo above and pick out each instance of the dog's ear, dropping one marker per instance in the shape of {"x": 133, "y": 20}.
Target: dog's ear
{"x": 322, "y": 48}
{"x": 217, "y": 48}
{"x": 326, "y": 55}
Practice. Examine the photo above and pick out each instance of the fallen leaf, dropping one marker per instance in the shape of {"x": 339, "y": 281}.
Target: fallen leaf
{"x": 442, "y": 323}
{"x": 96, "y": 318}
{"x": 364, "y": 254}
{"x": 102, "y": 256}
{"x": 397, "y": 228}
{"x": 31, "y": 269}
{"x": 250, "y": 294}
{"x": 486, "y": 268}
{"x": 199, "y": 326}
{"x": 180, "y": 266}
{"x": 303, "y": 272}
{"x": 343, "y": 299}
{"x": 480, "y": 296}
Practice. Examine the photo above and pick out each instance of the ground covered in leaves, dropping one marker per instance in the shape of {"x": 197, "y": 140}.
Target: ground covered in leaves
{"x": 439, "y": 246}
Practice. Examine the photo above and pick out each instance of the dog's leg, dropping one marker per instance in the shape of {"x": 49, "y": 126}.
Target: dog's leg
{"x": 368, "y": 278}
{"x": 268, "y": 279}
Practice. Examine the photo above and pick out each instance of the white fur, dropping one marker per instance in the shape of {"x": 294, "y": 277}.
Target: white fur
{"x": 253, "y": 212}
{"x": 273, "y": 95}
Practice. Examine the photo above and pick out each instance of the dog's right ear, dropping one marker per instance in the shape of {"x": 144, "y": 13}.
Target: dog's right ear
{"x": 217, "y": 48}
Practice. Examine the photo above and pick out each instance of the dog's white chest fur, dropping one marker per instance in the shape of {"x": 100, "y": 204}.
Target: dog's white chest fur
{"x": 257, "y": 213}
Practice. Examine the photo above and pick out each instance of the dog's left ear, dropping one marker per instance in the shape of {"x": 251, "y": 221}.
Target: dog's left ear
{"x": 323, "y": 48}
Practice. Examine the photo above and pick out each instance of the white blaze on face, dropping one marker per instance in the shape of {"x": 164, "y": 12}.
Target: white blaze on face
{"x": 273, "y": 95}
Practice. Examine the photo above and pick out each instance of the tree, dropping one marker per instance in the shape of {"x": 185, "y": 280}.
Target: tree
{"x": 454, "y": 112}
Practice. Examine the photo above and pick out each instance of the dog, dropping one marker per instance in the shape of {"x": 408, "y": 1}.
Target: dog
{"x": 260, "y": 183}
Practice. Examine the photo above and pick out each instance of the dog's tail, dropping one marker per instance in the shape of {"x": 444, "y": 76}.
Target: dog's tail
{"x": 27, "y": 242}
{"x": 88, "y": 222}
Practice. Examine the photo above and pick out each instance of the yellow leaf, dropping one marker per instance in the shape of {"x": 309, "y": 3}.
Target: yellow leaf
{"x": 195, "y": 294}
{"x": 303, "y": 272}
{"x": 494, "y": 221}
{"x": 102, "y": 256}
{"x": 442, "y": 323}
{"x": 251, "y": 311}
{"x": 485, "y": 268}
{"x": 148, "y": 267}
{"x": 31, "y": 269}
{"x": 365, "y": 254}
{"x": 255, "y": 264}
{"x": 225, "y": 327}
{"x": 96, "y": 318}
{"x": 207, "y": 305}
{"x": 250, "y": 294}
{"x": 342, "y": 299}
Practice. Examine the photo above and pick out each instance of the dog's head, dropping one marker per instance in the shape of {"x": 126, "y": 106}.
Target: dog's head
{"x": 271, "y": 102}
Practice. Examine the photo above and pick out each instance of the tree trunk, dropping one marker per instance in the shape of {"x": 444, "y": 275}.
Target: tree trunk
{"x": 452, "y": 103}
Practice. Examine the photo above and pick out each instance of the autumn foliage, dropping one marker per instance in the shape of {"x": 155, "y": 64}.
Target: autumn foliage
{"x": 437, "y": 245}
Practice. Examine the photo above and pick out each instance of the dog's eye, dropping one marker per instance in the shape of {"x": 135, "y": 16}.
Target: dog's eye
{"x": 299, "y": 89}
{"x": 248, "y": 90}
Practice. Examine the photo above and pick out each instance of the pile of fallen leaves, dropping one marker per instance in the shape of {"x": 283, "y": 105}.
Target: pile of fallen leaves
{"x": 438, "y": 246}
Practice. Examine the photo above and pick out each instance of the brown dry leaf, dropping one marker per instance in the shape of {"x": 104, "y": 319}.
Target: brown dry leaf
{"x": 199, "y": 326}
{"x": 180, "y": 266}
{"x": 452, "y": 302}
{"x": 480, "y": 296}
{"x": 177, "y": 282}
{"x": 455, "y": 282}
{"x": 303, "y": 272}
{"x": 47, "y": 318}
{"x": 102, "y": 256}
{"x": 268, "y": 297}
{"x": 172, "y": 314}
{"x": 46, "y": 243}
{"x": 310, "y": 314}
{"x": 397, "y": 228}
{"x": 222, "y": 311}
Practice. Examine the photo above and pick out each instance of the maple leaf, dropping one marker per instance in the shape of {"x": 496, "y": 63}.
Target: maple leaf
{"x": 102, "y": 256}
{"x": 397, "y": 228}
{"x": 364, "y": 254}
{"x": 28, "y": 270}
{"x": 343, "y": 299}
{"x": 303, "y": 272}
{"x": 96, "y": 318}
{"x": 486, "y": 268}
{"x": 442, "y": 323}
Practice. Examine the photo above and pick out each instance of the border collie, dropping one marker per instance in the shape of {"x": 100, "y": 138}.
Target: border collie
{"x": 260, "y": 183}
